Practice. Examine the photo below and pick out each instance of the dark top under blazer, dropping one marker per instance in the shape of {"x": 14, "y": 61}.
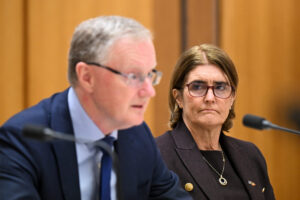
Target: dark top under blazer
{"x": 34, "y": 170}
{"x": 182, "y": 156}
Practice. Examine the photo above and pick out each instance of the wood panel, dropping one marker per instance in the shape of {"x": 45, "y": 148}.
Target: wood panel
{"x": 262, "y": 37}
{"x": 167, "y": 43}
{"x": 200, "y": 28}
{"x": 50, "y": 27}
{"x": 12, "y": 58}
{"x": 202, "y": 22}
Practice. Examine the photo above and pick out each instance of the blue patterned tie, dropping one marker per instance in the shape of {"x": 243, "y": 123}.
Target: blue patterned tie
{"x": 106, "y": 167}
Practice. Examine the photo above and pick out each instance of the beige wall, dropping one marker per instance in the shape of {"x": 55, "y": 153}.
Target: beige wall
{"x": 11, "y": 58}
{"x": 262, "y": 37}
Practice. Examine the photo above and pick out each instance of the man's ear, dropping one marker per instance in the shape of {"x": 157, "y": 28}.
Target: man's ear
{"x": 178, "y": 97}
{"x": 85, "y": 76}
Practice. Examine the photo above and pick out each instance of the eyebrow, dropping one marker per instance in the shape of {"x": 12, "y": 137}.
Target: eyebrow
{"x": 137, "y": 70}
{"x": 215, "y": 82}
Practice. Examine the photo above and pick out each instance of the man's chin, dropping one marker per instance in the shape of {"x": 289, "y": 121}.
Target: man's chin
{"x": 133, "y": 123}
{"x": 138, "y": 122}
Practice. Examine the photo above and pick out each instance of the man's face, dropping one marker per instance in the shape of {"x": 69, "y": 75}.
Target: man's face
{"x": 116, "y": 103}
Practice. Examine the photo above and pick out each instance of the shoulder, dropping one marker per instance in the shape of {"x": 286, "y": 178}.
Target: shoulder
{"x": 39, "y": 113}
{"x": 246, "y": 148}
{"x": 164, "y": 139}
{"x": 237, "y": 143}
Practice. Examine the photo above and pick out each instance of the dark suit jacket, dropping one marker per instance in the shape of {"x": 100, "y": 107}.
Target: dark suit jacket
{"x": 182, "y": 156}
{"x": 32, "y": 169}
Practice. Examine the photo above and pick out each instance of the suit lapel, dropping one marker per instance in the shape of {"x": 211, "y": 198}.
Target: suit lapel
{"x": 243, "y": 165}
{"x": 192, "y": 158}
{"x": 127, "y": 179}
{"x": 65, "y": 151}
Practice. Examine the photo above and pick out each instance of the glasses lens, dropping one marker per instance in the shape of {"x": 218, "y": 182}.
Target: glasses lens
{"x": 222, "y": 90}
{"x": 156, "y": 76}
{"x": 197, "y": 89}
{"x": 137, "y": 79}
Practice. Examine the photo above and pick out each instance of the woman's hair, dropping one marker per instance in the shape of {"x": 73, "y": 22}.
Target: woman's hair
{"x": 93, "y": 38}
{"x": 200, "y": 55}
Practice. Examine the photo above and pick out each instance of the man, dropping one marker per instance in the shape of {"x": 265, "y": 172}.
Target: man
{"x": 111, "y": 72}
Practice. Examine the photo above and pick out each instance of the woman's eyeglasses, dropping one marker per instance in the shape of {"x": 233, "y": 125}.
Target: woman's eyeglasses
{"x": 199, "y": 89}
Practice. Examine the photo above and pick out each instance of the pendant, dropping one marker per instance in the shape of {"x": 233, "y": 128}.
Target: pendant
{"x": 222, "y": 181}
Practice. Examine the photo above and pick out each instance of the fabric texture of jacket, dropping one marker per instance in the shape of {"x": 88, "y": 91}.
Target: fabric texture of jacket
{"x": 31, "y": 169}
{"x": 182, "y": 156}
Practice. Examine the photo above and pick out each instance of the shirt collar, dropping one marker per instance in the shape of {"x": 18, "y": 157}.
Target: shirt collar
{"x": 83, "y": 125}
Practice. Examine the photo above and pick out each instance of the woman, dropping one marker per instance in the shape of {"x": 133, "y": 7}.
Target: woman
{"x": 210, "y": 164}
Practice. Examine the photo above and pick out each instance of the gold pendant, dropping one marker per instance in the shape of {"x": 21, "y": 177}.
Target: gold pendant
{"x": 222, "y": 181}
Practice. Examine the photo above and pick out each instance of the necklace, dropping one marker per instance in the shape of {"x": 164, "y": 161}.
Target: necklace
{"x": 222, "y": 180}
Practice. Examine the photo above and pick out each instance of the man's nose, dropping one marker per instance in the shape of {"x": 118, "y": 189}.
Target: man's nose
{"x": 147, "y": 89}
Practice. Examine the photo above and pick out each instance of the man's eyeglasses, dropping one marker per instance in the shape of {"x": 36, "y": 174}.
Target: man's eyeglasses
{"x": 199, "y": 89}
{"x": 133, "y": 79}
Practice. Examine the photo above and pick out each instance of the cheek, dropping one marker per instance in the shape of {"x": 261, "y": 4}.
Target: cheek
{"x": 226, "y": 108}
{"x": 191, "y": 105}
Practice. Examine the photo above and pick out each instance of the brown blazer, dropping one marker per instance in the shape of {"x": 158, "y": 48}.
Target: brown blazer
{"x": 182, "y": 156}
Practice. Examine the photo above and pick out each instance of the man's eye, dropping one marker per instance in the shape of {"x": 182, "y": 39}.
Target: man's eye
{"x": 150, "y": 74}
{"x": 132, "y": 76}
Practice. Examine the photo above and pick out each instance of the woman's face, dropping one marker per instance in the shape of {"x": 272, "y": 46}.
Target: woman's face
{"x": 207, "y": 111}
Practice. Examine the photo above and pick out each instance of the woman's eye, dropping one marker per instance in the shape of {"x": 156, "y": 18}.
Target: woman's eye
{"x": 197, "y": 86}
{"x": 220, "y": 87}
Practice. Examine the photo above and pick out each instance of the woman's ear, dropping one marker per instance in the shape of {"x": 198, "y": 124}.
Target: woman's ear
{"x": 85, "y": 76}
{"x": 178, "y": 97}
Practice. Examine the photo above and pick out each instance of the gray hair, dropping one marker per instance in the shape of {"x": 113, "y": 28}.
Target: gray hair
{"x": 93, "y": 38}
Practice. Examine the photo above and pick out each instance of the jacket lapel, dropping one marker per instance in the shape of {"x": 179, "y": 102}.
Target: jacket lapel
{"x": 125, "y": 150}
{"x": 192, "y": 158}
{"x": 65, "y": 152}
{"x": 244, "y": 167}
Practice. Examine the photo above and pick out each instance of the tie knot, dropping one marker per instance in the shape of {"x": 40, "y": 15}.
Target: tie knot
{"x": 108, "y": 140}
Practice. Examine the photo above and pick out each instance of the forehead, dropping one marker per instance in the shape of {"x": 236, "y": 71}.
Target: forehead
{"x": 208, "y": 73}
{"x": 133, "y": 52}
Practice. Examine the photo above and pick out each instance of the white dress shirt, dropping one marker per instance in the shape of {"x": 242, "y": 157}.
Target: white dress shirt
{"x": 88, "y": 157}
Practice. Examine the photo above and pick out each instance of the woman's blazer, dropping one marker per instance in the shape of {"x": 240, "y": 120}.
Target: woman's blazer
{"x": 182, "y": 156}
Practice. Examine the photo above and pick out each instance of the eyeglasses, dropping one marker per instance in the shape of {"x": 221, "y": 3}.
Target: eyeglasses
{"x": 133, "y": 79}
{"x": 199, "y": 89}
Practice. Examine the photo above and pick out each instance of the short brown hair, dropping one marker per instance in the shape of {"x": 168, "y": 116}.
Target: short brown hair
{"x": 189, "y": 60}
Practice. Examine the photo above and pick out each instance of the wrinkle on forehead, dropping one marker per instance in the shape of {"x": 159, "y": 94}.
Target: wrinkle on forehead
{"x": 208, "y": 73}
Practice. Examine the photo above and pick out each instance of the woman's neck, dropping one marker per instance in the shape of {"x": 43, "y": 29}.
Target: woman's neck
{"x": 205, "y": 138}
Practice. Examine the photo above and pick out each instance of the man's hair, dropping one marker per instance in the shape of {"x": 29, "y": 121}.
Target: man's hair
{"x": 200, "y": 55}
{"x": 93, "y": 38}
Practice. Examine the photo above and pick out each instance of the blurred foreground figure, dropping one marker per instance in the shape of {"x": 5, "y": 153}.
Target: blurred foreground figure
{"x": 112, "y": 73}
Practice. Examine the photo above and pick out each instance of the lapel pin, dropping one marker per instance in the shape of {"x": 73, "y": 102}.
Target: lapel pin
{"x": 263, "y": 189}
{"x": 188, "y": 187}
{"x": 251, "y": 183}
